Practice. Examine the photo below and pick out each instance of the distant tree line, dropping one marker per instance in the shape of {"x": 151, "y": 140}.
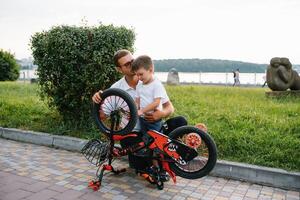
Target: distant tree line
{"x": 208, "y": 65}
{"x": 24, "y": 67}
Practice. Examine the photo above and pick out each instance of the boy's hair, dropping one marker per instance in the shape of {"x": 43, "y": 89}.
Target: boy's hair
{"x": 143, "y": 61}
{"x": 119, "y": 54}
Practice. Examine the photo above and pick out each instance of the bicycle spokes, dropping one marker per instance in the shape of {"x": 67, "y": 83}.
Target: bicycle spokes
{"x": 114, "y": 108}
{"x": 194, "y": 140}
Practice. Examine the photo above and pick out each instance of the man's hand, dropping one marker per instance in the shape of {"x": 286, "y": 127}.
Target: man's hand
{"x": 168, "y": 109}
{"x": 96, "y": 97}
{"x": 156, "y": 115}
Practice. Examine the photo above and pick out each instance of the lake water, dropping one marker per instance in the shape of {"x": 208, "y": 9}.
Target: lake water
{"x": 215, "y": 78}
{"x": 184, "y": 77}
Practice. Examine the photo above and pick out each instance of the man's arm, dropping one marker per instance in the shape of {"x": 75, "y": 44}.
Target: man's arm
{"x": 151, "y": 107}
{"x": 137, "y": 103}
{"x": 168, "y": 109}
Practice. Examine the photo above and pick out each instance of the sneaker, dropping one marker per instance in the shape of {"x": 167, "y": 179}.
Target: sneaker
{"x": 143, "y": 152}
{"x": 164, "y": 176}
{"x": 147, "y": 177}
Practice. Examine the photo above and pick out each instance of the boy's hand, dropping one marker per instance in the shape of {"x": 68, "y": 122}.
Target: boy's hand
{"x": 140, "y": 113}
{"x": 97, "y": 97}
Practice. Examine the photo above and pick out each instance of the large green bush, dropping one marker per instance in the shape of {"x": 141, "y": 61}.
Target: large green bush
{"x": 74, "y": 62}
{"x": 9, "y": 69}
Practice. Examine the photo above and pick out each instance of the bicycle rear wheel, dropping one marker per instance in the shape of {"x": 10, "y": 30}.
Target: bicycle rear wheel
{"x": 204, "y": 145}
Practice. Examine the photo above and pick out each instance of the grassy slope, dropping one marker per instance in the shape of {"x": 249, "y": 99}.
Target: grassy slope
{"x": 247, "y": 126}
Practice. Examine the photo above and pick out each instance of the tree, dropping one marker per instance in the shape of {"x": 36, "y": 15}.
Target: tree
{"x": 207, "y": 65}
{"x": 9, "y": 69}
{"x": 75, "y": 62}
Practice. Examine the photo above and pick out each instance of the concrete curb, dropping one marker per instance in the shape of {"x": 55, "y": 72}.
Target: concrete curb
{"x": 68, "y": 143}
{"x": 56, "y": 141}
{"x": 239, "y": 171}
{"x": 27, "y": 136}
{"x": 257, "y": 174}
{"x": 1, "y": 131}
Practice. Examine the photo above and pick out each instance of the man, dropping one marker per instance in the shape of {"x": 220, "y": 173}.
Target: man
{"x": 236, "y": 77}
{"x": 123, "y": 60}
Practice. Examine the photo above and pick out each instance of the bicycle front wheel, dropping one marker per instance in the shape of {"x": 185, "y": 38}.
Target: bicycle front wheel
{"x": 116, "y": 111}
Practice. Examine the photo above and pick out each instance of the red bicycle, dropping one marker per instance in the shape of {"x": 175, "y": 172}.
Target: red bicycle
{"x": 187, "y": 151}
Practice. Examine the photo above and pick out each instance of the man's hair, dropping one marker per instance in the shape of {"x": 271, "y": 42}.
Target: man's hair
{"x": 143, "y": 61}
{"x": 119, "y": 54}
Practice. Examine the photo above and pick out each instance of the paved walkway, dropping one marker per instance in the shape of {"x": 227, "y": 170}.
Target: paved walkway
{"x": 30, "y": 171}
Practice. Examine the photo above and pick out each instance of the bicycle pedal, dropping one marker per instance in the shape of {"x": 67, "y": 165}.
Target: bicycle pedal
{"x": 160, "y": 185}
{"x": 94, "y": 185}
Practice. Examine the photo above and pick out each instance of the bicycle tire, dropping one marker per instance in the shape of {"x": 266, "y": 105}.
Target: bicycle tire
{"x": 116, "y": 95}
{"x": 212, "y": 151}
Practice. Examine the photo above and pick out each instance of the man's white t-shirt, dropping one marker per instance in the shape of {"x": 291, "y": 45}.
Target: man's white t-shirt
{"x": 148, "y": 92}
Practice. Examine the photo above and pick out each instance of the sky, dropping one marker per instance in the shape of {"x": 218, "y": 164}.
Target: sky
{"x": 242, "y": 30}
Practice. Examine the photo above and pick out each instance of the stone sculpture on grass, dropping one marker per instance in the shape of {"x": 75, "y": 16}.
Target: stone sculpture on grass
{"x": 281, "y": 76}
{"x": 173, "y": 77}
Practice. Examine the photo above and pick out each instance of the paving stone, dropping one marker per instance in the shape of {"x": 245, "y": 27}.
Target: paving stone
{"x": 293, "y": 198}
{"x": 16, "y": 195}
{"x": 36, "y": 187}
{"x": 249, "y": 198}
{"x": 69, "y": 195}
{"x": 165, "y": 196}
{"x": 196, "y": 195}
{"x": 191, "y": 198}
{"x": 263, "y": 197}
{"x": 186, "y": 192}
{"x": 225, "y": 194}
{"x": 90, "y": 196}
{"x": 221, "y": 198}
{"x": 12, "y": 186}
{"x": 178, "y": 197}
{"x": 236, "y": 197}
{"x": 252, "y": 193}
{"x": 57, "y": 188}
{"x": 43, "y": 195}
{"x": 119, "y": 197}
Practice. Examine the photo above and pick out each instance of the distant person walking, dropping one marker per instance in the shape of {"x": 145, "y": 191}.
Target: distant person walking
{"x": 265, "y": 81}
{"x": 236, "y": 77}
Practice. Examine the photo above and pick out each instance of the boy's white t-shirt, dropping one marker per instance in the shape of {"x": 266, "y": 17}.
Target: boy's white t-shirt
{"x": 123, "y": 85}
{"x": 147, "y": 93}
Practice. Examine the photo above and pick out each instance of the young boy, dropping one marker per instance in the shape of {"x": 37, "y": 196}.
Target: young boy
{"x": 149, "y": 94}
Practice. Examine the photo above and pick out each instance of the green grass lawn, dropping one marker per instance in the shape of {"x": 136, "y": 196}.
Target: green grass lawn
{"x": 245, "y": 124}
{"x": 21, "y": 107}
